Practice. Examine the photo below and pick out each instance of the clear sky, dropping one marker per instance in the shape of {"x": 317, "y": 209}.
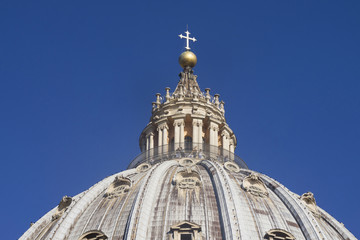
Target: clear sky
{"x": 77, "y": 79}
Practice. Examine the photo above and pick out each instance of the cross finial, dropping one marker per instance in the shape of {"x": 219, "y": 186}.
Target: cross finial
{"x": 187, "y": 39}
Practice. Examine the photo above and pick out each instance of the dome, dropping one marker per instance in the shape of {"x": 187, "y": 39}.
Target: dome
{"x": 188, "y": 184}
{"x": 188, "y": 196}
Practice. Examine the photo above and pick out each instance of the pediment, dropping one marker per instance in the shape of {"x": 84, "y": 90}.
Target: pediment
{"x": 186, "y": 225}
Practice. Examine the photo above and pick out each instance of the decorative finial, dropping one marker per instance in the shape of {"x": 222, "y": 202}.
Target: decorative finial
{"x": 187, "y": 39}
{"x": 187, "y": 58}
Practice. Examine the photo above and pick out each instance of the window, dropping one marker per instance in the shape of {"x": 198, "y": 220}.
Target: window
{"x": 188, "y": 142}
{"x": 93, "y": 235}
{"x": 278, "y": 234}
{"x": 185, "y": 231}
{"x": 186, "y": 236}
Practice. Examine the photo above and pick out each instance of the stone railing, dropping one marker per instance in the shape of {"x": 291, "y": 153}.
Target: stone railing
{"x": 186, "y": 150}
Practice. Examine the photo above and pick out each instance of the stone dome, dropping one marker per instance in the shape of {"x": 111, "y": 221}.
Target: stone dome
{"x": 201, "y": 198}
{"x": 187, "y": 184}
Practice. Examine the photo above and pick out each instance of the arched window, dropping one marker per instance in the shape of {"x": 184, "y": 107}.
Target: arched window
{"x": 188, "y": 142}
{"x": 93, "y": 235}
{"x": 278, "y": 234}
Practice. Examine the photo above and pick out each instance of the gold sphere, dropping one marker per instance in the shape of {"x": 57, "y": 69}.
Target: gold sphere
{"x": 187, "y": 59}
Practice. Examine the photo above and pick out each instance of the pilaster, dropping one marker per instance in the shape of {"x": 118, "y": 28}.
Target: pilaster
{"x": 197, "y": 132}
{"x": 213, "y": 133}
{"x": 179, "y": 132}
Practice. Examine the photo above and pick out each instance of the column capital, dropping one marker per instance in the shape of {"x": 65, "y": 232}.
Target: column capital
{"x": 225, "y": 133}
{"x": 149, "y": 134}
{"x": 213, "y": 126}
{"x": 162, "y": 125}
{"x": 197, "y": 122}
{"x": 179, "y": 122}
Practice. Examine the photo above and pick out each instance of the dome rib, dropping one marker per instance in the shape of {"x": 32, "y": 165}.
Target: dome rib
{"x": 79, "y": 207}
{"x": 339, "y": 227}
{"x": 296, "y": 208}
{"x": 140, "y": 214}
{"x": 223, "y": 198}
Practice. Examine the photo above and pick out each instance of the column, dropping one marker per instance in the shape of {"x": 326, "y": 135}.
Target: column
{"x": 225, "y": 145}
{"x": 177, "y": 130}
{"x": 176, "y": 133}
{"x": 151, "y": 143}
{"x": 165, "y": 138}
{"x": 147, "y": 142}
{"x": 158, "y": 150}
{"x": 200, "y": 128}
{"x": 195, "y": 135}
{"x": 232, "y": 149}
{"x": 151, "y": 140}
{"x": 213, "y": 136}
{"x": 182, "y": 132}
{"x": 160, "y": 137}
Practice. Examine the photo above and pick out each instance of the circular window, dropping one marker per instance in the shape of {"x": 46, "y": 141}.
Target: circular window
{"x": 143, "y": 167}
{"x": 232, "y": 167}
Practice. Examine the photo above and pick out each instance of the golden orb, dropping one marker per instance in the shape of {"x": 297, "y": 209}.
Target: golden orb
{"x": 187, "y": 59}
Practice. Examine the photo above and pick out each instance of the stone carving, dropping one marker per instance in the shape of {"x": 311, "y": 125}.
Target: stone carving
{"x": 119, "y": 187}
{"x": 255, "y": 186}
{"x": 232, "y": 167}
{"x": 186, "y": 162}
{"x": 143, "y": 167}
{"x": 188, "y": 181}
{"x": 309, "y": 200}
{"x": 187, "y": 86}
{"x": 63, "y": 205}
{"x": 278, "y": 234}
{"x": 93, "y": 235}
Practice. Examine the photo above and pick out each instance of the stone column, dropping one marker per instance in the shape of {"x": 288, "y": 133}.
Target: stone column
{"x": 231, "y": 146}
{"x": 213, "y": 136}
{"x": 200, "y": 139}
{"x": 151, "y": 140}
{"x": 147, "y": 142}
{"x": 225, "y": 145}
{"x": 178, "y": 133}
{"x": 232, "y": 149}
{"x": 214, "y": 128}
{"x": 182, "y": 133}
{"x": 165, "y": 137}
{"x": 160, "y": 136}
{"x": 195, "y": 131}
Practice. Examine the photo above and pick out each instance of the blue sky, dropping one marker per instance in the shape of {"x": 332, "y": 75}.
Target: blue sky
{"x": 77, "y": 80}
